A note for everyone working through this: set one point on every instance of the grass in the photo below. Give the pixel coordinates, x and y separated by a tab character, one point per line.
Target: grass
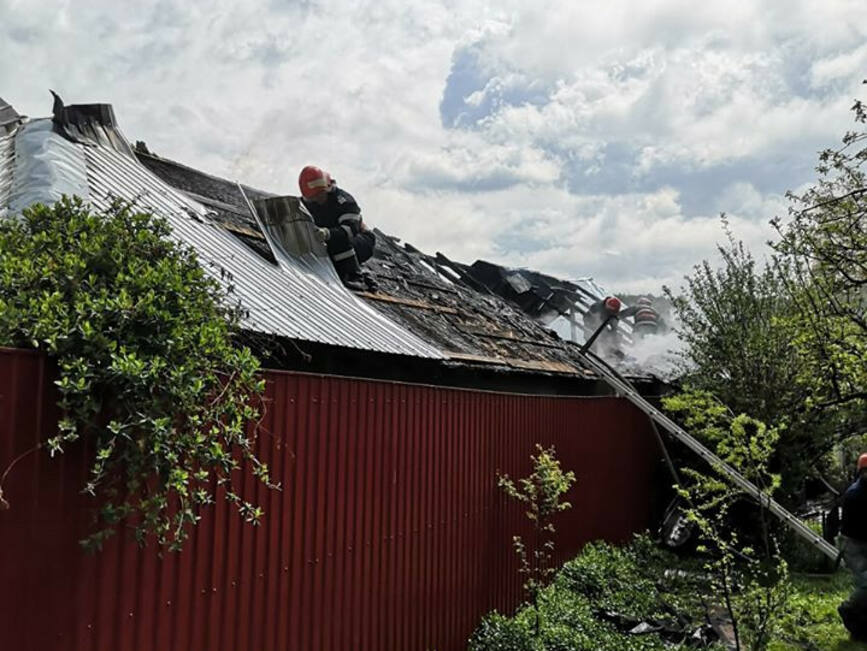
814	621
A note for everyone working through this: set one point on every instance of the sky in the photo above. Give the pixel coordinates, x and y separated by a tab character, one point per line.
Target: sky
577	138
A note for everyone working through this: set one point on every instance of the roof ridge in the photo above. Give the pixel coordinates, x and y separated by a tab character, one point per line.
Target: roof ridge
184	166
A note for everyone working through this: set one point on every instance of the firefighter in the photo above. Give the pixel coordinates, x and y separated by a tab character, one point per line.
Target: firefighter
339	225
608	341
853	528
646	321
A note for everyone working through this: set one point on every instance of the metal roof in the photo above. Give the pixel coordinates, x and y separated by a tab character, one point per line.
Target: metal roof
290	302
420	292
7	169
92	124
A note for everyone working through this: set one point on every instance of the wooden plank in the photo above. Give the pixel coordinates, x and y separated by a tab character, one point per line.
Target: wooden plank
421	305
544	365
502	334
469	357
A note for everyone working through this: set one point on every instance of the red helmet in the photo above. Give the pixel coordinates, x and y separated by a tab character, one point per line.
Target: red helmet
612	304
862	462
313	181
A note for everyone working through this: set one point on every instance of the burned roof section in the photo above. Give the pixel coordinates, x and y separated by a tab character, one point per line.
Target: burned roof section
436	299
225	204
89	124
220	195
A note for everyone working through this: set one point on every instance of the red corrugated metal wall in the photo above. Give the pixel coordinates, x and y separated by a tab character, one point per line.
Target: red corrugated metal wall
389	531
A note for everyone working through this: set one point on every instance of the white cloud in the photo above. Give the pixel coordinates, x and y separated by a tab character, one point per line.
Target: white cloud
843	66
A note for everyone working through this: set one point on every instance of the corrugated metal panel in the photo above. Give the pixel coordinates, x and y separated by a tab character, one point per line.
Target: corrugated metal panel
7	168
47	167
289	232
9	118
389	531
292	302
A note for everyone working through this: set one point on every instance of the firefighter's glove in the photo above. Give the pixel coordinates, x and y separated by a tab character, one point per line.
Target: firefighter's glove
322	234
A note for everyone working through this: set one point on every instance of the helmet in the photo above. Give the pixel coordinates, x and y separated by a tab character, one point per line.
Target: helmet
645	301
313	181
612	304
862	462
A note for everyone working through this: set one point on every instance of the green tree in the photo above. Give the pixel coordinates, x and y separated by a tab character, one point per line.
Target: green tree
747	572
736	344
735	322
542	492
149	374
824	243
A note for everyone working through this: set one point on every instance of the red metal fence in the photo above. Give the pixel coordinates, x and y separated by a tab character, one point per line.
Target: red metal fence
388	533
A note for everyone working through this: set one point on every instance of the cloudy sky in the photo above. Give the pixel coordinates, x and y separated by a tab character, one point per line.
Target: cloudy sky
578	138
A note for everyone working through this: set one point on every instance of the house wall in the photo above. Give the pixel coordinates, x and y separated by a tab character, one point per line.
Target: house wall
388	533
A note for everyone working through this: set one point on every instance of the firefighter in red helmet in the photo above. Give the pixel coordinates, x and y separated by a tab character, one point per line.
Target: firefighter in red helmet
646	321
339	225
606	311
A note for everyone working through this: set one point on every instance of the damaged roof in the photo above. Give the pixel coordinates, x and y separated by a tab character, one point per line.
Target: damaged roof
430	296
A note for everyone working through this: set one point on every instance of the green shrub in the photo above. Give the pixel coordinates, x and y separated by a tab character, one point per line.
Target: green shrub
612	578
499	633
149	375
572	610
572	613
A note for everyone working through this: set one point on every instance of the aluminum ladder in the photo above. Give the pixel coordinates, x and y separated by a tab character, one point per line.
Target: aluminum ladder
624	388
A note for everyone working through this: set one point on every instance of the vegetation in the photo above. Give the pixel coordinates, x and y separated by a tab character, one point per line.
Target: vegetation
607	591
542	492
785	341
825	244
604	594
747	573
737	329
149	377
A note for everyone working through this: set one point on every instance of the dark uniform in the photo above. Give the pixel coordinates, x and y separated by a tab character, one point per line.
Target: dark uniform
348	245
853	528
645	320
608	341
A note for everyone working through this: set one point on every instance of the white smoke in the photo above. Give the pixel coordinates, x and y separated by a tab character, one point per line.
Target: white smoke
659	355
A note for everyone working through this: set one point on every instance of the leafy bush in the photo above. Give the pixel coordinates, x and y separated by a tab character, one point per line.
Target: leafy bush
612	579
642	582
580	608
500	633
745	568
149	375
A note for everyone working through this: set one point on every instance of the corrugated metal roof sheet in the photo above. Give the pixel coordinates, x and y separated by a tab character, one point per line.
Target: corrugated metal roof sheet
7	169
292	302
47	167
9	117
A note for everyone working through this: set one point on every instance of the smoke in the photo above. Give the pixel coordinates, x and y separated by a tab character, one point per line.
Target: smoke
658	355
